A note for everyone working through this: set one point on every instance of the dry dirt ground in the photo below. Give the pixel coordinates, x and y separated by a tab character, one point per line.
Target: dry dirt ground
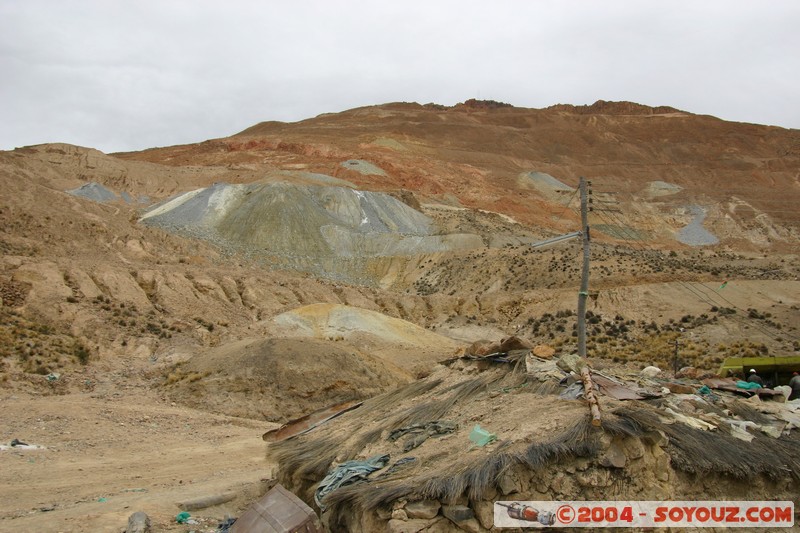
119	449
84	283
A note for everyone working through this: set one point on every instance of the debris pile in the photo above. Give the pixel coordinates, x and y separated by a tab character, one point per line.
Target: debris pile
651	444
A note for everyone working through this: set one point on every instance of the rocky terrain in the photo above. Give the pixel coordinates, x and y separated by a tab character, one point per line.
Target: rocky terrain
191	275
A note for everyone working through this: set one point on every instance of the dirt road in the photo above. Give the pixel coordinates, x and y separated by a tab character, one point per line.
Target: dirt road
108	453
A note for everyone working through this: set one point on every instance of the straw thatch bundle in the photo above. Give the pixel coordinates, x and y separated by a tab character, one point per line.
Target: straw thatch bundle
703	452
450	470
474	477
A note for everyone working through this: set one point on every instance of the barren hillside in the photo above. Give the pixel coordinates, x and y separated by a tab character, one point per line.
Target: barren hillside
186	271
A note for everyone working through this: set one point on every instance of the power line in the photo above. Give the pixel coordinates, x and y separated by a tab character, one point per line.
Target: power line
726	211
722	204
763	211
715	303
566	206
630	237
696	292
683	284
754	192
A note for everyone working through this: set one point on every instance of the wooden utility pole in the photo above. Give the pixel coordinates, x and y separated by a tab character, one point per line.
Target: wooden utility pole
583	294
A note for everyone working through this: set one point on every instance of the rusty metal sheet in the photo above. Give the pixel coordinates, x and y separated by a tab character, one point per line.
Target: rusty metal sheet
278	511
720	383
767	393
727	385
298	426
617	390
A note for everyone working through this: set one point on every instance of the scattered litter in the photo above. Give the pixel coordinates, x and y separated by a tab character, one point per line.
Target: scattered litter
747	385
773	430
182	518
618	390
793	405
347	473
780	412
785	390
770	395
481	437
739	428
543	370
18	445
400	462
277	510
727	385
573	392
308	422
726	436
421	432
52	377
650	372
690	420
225	525
739	432
706	393
679	388
102	500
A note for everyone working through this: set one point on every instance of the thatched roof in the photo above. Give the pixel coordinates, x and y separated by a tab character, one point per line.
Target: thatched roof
702	452
535	429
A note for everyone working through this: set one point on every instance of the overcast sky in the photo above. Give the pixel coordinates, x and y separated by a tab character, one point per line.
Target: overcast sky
127	75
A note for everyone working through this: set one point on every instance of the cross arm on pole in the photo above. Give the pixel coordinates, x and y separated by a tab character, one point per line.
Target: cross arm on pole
560	238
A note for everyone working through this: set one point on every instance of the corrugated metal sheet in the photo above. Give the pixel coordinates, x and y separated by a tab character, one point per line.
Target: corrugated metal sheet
617	390
306	423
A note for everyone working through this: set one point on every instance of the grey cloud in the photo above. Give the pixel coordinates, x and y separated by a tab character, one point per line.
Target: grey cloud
130	75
